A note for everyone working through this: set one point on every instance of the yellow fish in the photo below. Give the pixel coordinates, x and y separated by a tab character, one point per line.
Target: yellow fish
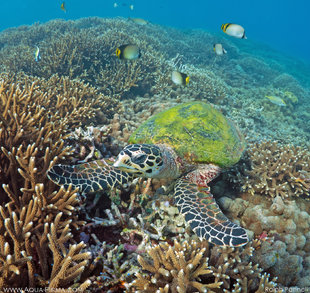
37	56
276	100
140	21
63	7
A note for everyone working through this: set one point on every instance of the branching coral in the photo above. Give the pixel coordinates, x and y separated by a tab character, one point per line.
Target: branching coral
32	132
86	49
35	220
114	264
174	269
28	248
276	169
192	265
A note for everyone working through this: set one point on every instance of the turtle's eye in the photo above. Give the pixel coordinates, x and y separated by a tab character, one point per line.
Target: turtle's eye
138	159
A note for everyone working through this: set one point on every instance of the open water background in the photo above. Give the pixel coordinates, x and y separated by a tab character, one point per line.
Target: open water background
281	24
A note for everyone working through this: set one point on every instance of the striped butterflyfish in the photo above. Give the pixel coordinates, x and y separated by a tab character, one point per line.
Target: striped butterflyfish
234	30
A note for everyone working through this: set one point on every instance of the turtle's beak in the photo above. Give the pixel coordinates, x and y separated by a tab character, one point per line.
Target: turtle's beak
123	163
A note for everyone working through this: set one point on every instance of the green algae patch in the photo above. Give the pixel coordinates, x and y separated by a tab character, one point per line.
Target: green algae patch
197	132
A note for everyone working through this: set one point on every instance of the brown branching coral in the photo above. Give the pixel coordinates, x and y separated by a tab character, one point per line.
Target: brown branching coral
174	269
86	50
35	219
192	265
277	170
34	121
28	248
119	77
68	264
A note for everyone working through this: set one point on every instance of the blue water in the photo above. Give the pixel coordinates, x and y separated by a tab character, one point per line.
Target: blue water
282	24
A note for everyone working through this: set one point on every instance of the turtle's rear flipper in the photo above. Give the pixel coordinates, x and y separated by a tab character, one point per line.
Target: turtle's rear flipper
89	177
205	217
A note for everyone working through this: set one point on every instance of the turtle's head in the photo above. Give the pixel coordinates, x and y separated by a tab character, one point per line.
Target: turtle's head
143	160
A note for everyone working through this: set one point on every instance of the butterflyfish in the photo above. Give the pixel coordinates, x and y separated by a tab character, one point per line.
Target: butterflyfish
218	49
234	30
128	52
179	78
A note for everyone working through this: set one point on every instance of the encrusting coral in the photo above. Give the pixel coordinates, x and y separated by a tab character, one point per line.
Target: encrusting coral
282	225
191	265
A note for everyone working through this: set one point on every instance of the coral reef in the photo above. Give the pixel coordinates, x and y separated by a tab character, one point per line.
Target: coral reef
80	103
237	84
282	226
276	170
36	219
114	264
191	265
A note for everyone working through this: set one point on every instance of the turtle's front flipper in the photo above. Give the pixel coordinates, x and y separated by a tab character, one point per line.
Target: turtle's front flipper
89	177
205	217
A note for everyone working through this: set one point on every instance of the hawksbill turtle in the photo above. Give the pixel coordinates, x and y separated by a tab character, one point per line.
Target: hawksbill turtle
189	144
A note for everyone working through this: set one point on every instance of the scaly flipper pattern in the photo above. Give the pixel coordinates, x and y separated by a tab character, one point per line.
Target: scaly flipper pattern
204	216
89	177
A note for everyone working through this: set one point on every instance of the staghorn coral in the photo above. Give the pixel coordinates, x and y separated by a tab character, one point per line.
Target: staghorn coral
28	249
32	133
86	49
275	170
36	219
174	269
192	265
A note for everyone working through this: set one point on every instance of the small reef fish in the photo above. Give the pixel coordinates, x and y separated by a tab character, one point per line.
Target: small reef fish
128	52
115	5
276	100
37	56
131	7
234	30
140	21
218	49
179	78
63	6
